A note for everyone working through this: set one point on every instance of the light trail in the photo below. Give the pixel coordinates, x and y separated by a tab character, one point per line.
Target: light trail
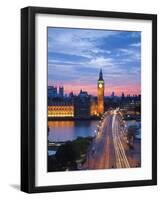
107	150
117	154
121	159
121	146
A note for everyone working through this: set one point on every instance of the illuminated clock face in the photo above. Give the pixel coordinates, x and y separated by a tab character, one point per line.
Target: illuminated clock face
100	85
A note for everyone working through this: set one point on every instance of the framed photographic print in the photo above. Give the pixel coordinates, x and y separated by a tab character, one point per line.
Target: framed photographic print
88	99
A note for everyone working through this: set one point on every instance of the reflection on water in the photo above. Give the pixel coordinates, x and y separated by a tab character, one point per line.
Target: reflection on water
70	130
61	123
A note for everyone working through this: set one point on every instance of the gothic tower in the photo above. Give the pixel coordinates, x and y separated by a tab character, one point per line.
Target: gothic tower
100	85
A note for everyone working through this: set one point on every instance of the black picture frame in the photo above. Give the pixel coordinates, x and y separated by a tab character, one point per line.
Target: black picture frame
28	98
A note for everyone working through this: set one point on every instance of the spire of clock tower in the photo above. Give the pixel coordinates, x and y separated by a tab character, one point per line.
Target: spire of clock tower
100	86
101	75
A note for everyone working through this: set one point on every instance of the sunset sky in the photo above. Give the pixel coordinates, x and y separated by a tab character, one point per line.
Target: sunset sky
75	57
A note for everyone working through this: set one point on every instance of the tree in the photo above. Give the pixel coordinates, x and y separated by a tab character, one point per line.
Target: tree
66	156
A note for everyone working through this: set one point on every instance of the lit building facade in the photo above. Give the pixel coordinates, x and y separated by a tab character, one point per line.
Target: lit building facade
61	110
100	86
93	107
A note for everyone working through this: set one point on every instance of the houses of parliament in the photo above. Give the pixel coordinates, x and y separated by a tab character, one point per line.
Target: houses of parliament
81	106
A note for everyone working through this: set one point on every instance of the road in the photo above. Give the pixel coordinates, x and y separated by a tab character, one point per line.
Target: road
107	149
120	156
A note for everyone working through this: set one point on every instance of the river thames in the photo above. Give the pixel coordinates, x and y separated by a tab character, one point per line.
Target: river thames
61	131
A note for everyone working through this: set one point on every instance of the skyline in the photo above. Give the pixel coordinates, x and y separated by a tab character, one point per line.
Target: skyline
75	57
112	93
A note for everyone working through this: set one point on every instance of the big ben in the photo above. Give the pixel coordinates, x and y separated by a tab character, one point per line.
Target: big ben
100	86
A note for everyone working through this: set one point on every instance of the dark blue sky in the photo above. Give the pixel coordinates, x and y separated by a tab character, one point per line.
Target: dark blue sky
75	57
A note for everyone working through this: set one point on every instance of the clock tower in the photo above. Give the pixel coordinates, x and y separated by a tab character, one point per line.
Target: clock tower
100	86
